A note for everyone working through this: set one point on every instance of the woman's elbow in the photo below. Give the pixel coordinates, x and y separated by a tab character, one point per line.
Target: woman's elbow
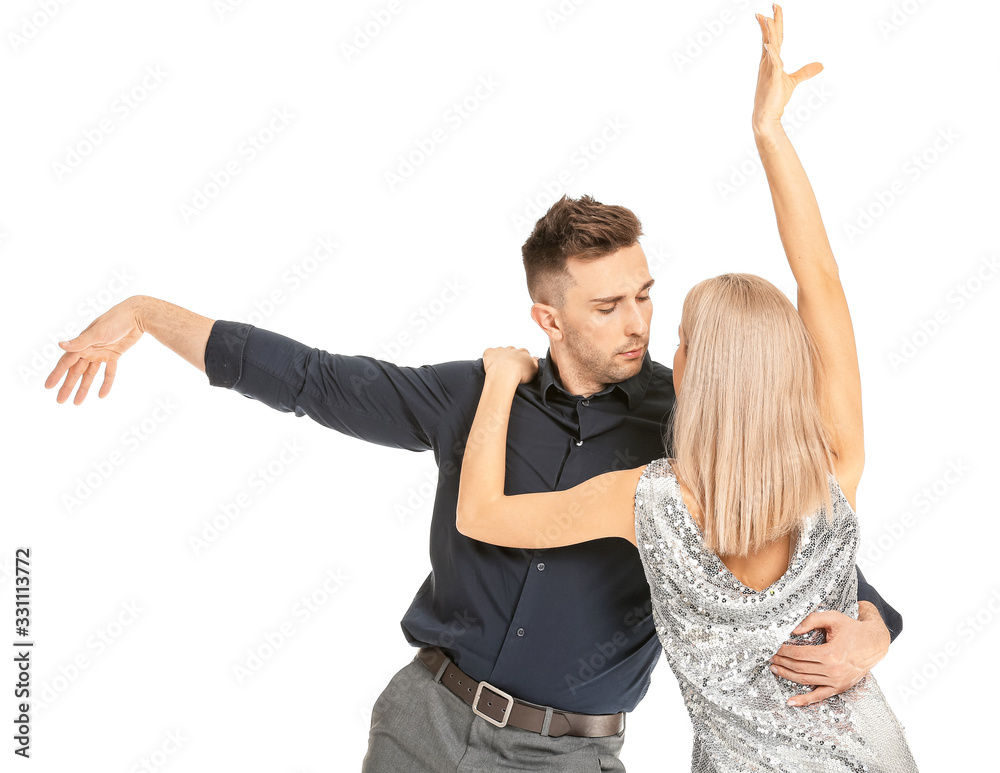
850	464
467	518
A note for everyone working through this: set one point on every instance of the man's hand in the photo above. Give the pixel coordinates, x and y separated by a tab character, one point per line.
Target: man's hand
105	340
852	648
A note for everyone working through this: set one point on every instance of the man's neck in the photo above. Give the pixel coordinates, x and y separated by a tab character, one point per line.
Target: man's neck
572	383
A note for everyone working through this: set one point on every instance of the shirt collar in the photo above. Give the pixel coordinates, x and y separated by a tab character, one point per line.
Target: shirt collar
634	388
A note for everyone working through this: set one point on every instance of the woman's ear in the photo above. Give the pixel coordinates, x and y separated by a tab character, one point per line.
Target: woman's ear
547	318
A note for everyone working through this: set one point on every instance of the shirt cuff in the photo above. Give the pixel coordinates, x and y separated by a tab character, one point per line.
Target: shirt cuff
892	619
224	352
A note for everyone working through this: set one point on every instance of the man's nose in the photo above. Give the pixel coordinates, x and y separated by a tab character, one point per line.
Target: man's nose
635	322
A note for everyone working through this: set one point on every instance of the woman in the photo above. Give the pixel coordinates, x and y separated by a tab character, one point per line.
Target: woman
750	526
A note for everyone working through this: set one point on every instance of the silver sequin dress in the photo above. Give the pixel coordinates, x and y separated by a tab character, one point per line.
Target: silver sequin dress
719	635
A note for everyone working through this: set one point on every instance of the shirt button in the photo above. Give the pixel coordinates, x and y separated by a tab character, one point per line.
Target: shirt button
520	632
579	442
541	567
585	402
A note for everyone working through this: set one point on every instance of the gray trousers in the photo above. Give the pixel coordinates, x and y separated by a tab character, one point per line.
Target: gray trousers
418	726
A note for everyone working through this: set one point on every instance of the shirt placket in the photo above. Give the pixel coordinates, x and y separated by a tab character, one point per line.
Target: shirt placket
542	565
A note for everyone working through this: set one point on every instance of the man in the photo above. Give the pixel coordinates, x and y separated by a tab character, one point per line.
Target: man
559	643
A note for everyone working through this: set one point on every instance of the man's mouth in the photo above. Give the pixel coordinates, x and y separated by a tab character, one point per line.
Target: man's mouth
633	353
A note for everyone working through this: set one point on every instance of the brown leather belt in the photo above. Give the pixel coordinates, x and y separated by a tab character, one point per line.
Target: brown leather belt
500	709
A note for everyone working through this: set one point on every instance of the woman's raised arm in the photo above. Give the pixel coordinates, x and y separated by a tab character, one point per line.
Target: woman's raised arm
821	301
600	507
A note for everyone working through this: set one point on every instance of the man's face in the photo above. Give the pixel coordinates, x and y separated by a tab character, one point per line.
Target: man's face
606	315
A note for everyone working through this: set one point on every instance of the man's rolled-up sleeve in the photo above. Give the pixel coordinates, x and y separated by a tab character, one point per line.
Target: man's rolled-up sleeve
892	619
370	399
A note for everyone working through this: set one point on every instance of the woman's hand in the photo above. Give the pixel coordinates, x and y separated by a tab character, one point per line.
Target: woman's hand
774	85
508	360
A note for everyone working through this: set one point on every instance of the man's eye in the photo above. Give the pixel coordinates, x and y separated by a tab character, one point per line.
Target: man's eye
606	311
643	298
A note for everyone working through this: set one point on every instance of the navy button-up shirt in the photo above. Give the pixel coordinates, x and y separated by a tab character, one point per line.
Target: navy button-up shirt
566	627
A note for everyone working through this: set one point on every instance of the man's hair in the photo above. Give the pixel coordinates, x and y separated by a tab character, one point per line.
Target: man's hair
583	229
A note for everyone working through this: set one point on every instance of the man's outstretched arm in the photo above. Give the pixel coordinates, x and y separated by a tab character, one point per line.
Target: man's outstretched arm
374	400
113	333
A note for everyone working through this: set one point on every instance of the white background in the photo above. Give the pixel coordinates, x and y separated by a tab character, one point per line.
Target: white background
677	80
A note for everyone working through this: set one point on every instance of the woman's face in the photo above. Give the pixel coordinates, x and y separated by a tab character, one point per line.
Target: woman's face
680	358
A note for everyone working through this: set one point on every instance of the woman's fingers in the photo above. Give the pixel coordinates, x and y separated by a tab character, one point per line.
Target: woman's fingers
779	24
805	73
770	49
773	41
763	27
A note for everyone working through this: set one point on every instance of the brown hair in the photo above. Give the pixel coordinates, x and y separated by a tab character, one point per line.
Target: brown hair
748	433
583	229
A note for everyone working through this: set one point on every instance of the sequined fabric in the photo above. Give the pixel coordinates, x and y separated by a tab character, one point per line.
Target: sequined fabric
719	635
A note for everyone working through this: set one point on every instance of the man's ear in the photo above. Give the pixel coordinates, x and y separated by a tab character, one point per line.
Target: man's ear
547	318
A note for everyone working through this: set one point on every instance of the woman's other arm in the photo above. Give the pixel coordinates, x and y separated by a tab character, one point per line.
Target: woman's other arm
600	507
853	646
821	300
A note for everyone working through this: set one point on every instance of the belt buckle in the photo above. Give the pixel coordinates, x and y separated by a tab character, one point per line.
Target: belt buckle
498	692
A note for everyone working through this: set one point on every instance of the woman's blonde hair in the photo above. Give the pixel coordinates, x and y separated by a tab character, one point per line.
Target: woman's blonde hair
748	434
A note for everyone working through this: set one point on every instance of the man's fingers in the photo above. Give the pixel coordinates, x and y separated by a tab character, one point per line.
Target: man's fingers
72	377
109	378
63	391
85	382
53	378
67	361
798	654
817	620
817	695
799	678
87	338
74	344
